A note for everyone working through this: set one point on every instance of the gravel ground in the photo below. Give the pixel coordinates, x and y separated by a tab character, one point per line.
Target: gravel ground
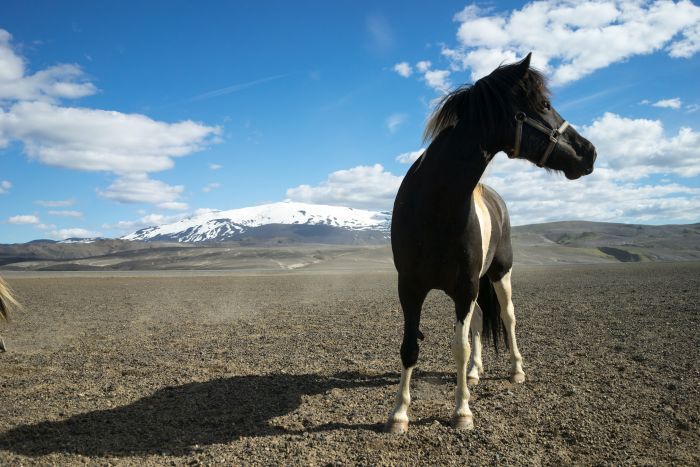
302	369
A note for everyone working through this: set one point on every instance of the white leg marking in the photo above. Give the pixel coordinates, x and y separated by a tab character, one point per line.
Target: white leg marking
462	417
398	420
476	367
482	213
504	293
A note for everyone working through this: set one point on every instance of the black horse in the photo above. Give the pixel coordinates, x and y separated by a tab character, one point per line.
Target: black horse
451	233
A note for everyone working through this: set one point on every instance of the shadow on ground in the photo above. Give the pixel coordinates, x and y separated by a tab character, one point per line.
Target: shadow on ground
174	419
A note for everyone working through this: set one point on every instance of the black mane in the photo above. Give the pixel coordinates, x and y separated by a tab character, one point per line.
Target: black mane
490	102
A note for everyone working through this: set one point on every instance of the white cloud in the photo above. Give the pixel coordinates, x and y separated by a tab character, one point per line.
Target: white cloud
369	187
674	103
403	69
4	186
66	213
146	220
619	190
570	39
56	82
394	121
690	108
438	80
215	166
76	232
409	157
79	138
638	147
423	66
23	219
99	140
56	204
534	196
211	186
138	188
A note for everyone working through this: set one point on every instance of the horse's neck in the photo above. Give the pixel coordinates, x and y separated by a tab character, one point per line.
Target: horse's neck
456	168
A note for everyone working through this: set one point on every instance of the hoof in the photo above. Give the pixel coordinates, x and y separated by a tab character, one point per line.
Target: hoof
471	381
517	378
463	422
396	427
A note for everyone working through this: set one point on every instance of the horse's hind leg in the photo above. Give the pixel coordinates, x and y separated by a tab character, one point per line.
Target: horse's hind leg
504	294
476	366
411	296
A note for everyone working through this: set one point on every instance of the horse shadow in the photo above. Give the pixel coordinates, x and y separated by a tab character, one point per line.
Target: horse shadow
177	418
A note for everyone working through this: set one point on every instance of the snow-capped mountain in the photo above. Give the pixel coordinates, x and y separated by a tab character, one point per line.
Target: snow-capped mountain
305	222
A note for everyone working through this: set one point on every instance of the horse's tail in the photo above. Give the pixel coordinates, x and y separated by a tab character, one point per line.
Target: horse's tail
487	300
7	301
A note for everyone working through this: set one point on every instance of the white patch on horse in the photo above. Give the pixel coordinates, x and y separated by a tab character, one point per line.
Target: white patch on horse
476	367
504	294
482	213
462	417
398	420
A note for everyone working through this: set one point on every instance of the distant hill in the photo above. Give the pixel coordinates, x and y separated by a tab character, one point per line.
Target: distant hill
309	245
581	241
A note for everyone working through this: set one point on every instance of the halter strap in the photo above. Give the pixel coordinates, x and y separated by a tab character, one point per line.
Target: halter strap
554	135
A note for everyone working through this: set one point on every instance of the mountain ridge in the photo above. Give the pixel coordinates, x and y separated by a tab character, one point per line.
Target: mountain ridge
250	222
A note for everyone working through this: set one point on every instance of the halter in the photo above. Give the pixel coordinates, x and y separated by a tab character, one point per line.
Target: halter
554	135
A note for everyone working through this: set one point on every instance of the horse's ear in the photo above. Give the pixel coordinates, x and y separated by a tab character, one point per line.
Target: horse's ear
524	64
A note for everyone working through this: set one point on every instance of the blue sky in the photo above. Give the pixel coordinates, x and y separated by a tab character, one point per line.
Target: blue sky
119	115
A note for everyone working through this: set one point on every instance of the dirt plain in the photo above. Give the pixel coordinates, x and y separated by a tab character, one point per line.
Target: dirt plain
301	369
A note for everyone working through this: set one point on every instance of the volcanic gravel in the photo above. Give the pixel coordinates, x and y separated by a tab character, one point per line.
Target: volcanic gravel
302	369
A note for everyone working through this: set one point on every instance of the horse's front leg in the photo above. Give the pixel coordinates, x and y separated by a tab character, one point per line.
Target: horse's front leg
411	298
462	418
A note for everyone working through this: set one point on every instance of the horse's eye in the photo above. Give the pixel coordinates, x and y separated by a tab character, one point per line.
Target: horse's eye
547	105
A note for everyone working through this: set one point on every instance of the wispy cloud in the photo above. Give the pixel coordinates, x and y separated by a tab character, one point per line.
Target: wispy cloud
215	166
55	204
74	232
691	108
24	219
573	103
65	213
380	33
409	157
236	87
210	187
394	121
674	103
4	186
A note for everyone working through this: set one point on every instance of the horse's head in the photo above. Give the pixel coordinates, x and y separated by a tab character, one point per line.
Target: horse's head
540	134
509	110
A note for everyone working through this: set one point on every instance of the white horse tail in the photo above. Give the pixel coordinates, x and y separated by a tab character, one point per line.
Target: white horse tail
7	301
